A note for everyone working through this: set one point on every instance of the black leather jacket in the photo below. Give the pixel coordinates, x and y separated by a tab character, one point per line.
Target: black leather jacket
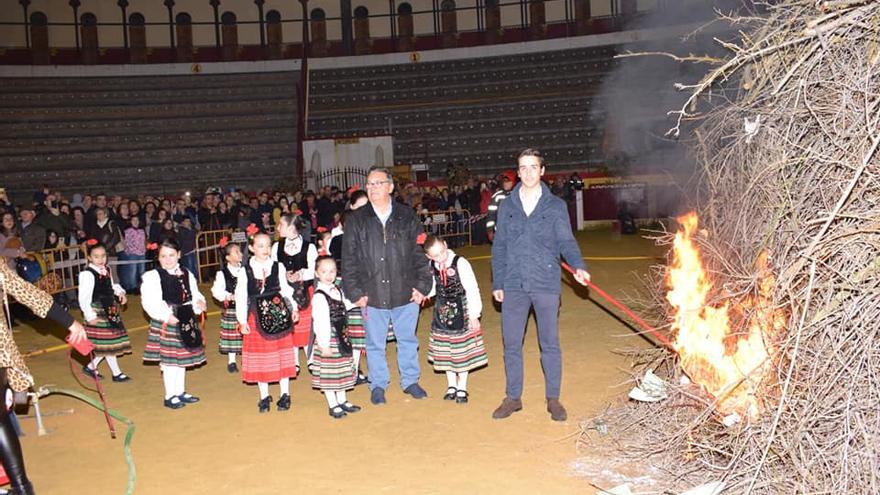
384	263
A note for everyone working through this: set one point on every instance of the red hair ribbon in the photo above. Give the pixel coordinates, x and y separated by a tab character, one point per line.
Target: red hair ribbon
252	229
91	242
420	239
152	246
356	187
297	212
223	242
321	229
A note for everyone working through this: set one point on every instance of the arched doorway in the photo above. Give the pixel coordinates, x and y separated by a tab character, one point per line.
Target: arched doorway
39	38
183	30
89	33
582	16
137	34
448	23
274	33
361	30
229	35
537	18
318	28
493	21
405	40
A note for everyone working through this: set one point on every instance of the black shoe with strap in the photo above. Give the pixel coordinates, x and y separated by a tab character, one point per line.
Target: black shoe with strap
461	397
264	403
450	393
349	407
337	412
283	402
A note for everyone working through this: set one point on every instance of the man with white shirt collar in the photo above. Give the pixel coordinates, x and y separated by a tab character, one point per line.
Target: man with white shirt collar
532	234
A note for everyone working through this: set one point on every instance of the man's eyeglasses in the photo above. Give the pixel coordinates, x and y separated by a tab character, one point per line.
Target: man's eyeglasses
377	183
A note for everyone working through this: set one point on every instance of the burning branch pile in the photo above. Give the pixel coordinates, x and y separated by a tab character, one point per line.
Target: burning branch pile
773	299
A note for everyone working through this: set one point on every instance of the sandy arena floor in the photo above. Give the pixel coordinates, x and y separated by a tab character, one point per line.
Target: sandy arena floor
222	445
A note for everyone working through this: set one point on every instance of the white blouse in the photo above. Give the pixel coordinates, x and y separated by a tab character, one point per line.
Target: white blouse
468	280
321	312
151	295
295	248
218	290
261	271
87	286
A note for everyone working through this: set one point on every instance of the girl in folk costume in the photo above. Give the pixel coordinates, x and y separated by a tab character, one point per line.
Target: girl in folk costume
456	342
101	303
223	291
297	255
171	298
332	365
266	314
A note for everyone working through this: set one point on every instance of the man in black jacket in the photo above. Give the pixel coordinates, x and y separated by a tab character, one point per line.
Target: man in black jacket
385	272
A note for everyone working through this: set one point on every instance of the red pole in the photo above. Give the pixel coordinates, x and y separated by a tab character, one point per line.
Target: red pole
642	323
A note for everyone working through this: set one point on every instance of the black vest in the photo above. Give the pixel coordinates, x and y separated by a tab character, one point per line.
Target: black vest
103	291
231	280
257	287
296	262
175	290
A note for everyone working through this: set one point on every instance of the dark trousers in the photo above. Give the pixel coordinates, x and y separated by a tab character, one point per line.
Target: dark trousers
514	315
10	448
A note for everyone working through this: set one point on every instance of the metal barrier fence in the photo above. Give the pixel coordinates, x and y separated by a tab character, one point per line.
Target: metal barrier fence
453	226
209	256
54	270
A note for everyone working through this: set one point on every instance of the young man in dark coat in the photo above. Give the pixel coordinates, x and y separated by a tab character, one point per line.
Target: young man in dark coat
532	233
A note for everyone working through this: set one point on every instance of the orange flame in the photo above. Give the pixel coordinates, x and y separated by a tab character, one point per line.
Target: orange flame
730	365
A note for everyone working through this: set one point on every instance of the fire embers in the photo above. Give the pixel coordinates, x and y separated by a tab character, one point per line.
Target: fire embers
728	348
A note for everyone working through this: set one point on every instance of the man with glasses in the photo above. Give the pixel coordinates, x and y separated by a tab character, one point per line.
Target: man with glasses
385	272
532	233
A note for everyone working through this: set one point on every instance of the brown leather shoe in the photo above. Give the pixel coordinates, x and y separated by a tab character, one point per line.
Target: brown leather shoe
508	406
557	412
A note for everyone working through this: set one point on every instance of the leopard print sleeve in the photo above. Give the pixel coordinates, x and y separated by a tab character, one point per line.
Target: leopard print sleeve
37	300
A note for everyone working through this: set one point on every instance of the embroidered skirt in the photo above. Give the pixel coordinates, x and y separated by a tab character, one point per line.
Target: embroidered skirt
165	347
462	352
230	338
108	339
332	371
264	360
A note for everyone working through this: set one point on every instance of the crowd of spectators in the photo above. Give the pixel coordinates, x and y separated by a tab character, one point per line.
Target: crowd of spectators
128	225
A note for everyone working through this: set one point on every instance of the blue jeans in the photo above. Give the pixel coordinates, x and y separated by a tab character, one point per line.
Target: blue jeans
130	275
405	319
514	315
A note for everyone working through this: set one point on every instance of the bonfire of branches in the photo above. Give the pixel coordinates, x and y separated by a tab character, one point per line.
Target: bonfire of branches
790	167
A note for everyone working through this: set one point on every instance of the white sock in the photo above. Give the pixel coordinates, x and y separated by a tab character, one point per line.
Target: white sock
284	385
296	356
168	379
357	360
231	358
331	398
340	397
114	365
450	379
462	380
93	364
181	380
264	389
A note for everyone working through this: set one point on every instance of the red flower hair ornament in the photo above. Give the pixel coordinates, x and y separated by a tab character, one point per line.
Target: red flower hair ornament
321	229
91	242
224	241
421	238
251	230
152	246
